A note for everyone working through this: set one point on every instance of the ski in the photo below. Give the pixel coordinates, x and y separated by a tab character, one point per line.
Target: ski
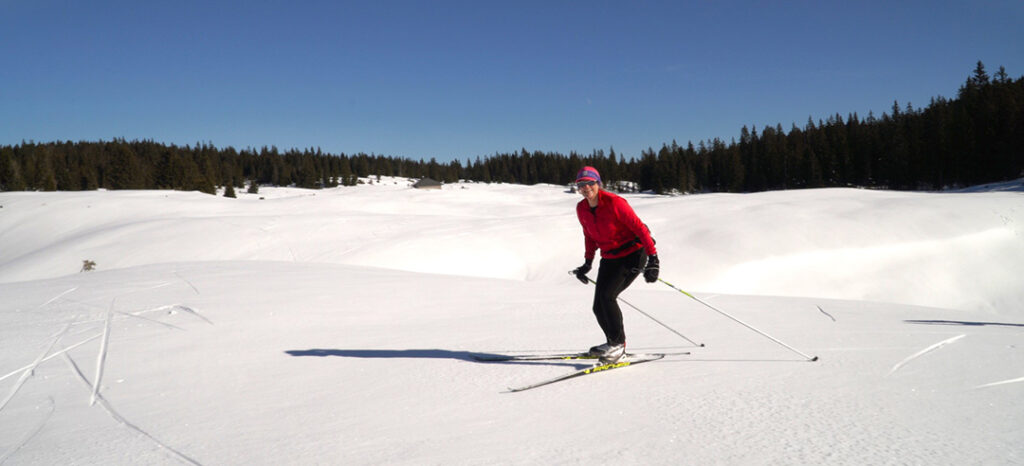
531	357
626	361
553	356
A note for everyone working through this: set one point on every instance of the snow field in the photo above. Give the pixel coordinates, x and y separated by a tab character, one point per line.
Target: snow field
336	327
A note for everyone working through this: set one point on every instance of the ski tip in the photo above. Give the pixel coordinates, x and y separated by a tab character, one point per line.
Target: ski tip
814	359
702	345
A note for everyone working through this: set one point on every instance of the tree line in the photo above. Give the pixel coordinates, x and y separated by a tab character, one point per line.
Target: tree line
975	138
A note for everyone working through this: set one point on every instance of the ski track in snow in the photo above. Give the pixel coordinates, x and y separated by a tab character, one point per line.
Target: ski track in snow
829	315
176	274
101	357
32	367
94	388
193	312
117	417
95	396
923	352
69	348
56	297
138	314
30	434
147	319
1004	382
181	307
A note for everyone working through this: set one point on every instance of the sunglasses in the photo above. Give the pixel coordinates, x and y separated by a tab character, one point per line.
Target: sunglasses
585	183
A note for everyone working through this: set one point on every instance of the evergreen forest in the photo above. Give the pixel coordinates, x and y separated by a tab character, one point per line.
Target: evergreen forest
975	138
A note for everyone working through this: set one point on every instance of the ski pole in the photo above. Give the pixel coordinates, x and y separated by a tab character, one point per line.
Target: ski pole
652	318
809	358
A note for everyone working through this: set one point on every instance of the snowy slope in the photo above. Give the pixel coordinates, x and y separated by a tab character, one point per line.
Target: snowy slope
337	327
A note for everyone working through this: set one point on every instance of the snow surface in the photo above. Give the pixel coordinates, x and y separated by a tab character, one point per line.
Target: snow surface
337	327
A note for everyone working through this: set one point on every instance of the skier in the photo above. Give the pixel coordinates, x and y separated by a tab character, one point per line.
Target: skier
609	224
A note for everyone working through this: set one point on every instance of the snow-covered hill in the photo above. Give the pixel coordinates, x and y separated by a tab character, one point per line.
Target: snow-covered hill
337	327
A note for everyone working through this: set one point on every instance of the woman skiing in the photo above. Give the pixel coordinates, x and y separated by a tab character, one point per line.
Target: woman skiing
609	224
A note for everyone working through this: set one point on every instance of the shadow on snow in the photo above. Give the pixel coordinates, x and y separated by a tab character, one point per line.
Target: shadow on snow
387	354
471	356
960	322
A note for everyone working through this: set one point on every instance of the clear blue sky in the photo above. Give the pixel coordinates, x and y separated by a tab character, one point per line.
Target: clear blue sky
461	79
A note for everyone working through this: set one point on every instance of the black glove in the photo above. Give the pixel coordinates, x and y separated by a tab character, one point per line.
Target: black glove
651	271
581	271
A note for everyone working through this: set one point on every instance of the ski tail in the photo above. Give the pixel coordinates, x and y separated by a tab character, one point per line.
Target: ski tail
531	357
626	361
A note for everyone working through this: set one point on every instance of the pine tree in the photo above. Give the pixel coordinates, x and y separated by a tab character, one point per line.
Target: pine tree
980	77
1001	76
10	174
125	171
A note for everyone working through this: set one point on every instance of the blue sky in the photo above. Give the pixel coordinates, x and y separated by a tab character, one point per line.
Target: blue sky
462	79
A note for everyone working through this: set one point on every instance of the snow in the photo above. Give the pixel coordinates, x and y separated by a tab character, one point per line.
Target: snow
337	327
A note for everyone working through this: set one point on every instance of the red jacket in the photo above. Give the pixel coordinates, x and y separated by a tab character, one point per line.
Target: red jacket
613	227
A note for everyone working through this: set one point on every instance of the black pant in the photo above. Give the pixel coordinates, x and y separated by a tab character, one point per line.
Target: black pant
614	276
